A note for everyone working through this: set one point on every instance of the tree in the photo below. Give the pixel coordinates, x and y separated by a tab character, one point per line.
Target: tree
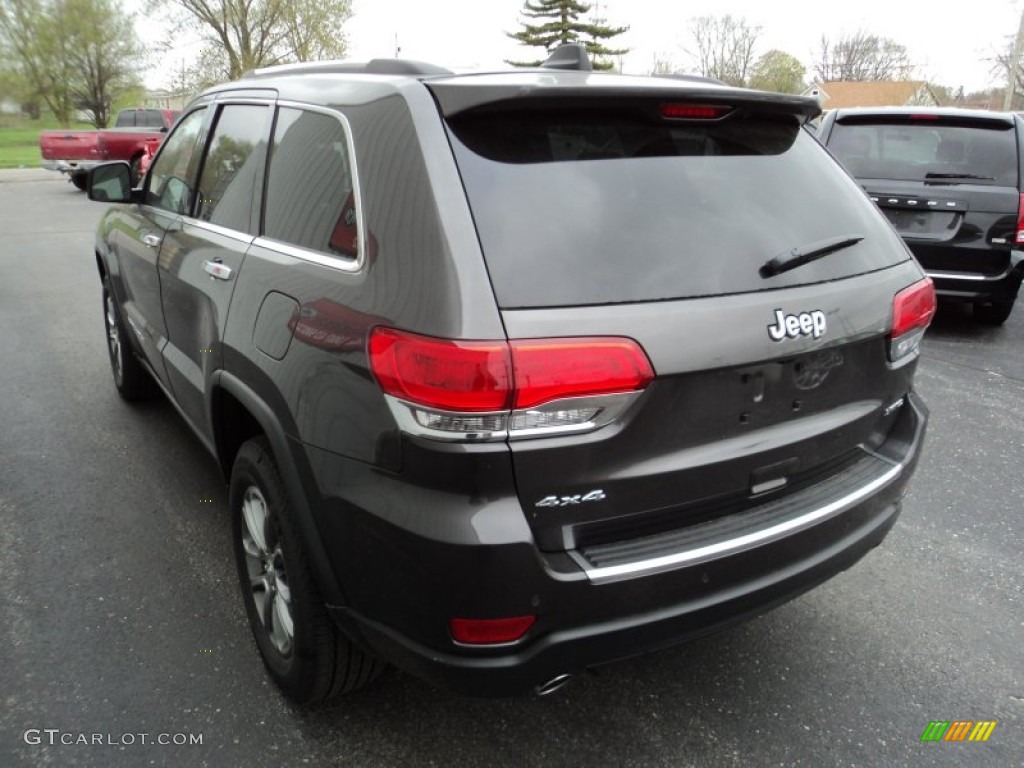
106	56
778	71
1001	66
246	34
723	47
563	25
34	36
862	56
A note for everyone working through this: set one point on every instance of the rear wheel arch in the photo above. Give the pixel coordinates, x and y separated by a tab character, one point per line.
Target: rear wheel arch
238	415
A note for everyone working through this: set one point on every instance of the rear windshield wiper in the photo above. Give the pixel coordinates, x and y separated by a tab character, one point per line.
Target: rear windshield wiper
808	253
957	176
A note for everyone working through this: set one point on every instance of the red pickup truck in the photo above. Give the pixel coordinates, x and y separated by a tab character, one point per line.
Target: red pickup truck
75	152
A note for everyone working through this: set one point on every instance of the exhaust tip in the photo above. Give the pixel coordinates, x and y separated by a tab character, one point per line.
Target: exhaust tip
552	685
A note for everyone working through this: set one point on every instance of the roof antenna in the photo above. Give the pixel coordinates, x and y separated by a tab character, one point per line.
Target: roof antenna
569	56
398	48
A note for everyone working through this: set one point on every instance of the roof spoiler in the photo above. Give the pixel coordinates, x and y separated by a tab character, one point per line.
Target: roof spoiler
571	56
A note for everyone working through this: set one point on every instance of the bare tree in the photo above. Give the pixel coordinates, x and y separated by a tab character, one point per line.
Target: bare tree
661	64
862	56
723	47
247	34
1002	63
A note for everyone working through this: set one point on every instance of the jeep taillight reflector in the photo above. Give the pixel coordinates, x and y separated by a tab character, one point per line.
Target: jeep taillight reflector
450	375
912	311
490	631
676	111
552	369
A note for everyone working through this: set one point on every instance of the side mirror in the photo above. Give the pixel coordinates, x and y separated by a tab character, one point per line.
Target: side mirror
110	182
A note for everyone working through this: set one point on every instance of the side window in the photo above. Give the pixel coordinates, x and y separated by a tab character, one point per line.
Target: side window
310	196
169	181
233	166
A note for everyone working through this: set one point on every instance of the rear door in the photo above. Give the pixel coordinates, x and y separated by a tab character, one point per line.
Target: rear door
948	183
202	254
655	220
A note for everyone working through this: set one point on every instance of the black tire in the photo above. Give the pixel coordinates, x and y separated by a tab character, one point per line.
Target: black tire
80	180
311	660
133	382
995	313
135	166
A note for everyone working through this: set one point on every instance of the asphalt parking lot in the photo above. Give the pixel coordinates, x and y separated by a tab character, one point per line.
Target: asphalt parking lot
119	611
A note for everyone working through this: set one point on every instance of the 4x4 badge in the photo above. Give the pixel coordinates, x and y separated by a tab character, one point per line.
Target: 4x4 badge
790	326
565	501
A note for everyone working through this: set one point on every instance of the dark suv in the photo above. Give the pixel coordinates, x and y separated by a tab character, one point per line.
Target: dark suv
950	181
515	374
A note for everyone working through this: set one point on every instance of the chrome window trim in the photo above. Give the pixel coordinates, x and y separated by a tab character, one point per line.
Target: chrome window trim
600	575
321	258
234	234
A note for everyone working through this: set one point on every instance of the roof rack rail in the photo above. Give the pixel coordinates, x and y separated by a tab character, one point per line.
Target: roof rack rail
572	56
372	67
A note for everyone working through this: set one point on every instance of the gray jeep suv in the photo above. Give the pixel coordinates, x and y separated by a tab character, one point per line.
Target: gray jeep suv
515	374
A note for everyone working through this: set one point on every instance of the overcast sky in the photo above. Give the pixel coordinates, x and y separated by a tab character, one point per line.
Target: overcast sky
950	42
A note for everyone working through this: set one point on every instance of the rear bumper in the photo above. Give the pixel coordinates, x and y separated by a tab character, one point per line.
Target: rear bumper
584	622
70	166
980	287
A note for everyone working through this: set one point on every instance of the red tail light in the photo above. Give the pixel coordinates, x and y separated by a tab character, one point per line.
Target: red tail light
550	369
450	375
1020	221
527	387
490	631
694	111
912	311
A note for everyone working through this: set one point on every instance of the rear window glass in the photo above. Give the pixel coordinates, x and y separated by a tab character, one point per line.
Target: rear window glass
603	206
918	150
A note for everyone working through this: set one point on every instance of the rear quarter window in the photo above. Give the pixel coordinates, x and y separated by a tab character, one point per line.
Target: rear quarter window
608	205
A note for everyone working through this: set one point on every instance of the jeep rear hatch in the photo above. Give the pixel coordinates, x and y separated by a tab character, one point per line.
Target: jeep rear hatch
758	279
948	183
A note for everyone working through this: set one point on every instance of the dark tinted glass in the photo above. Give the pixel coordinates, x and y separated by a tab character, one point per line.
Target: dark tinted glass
169	181
151	118
580	209
310	197
982	153
233	166
125	119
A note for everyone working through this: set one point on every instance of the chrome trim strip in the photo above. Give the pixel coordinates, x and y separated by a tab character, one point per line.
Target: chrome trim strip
233	234
965	275
739	544
314	257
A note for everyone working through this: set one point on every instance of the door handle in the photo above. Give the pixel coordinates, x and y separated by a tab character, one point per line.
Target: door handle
217	269
153	241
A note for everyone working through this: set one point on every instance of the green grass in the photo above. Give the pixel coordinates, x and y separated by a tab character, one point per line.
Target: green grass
19	139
